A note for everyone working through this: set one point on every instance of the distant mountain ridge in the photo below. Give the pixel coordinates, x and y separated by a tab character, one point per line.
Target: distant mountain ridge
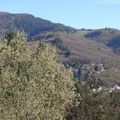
28	23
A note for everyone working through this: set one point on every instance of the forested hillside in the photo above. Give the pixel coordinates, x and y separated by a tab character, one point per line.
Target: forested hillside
28	23
84	50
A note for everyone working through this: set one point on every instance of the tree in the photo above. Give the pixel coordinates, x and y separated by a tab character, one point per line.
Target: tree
94	105
32	84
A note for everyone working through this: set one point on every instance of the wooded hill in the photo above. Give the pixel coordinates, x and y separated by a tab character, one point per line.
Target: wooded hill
76	48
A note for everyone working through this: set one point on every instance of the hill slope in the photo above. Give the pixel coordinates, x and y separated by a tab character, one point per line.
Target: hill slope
109	37
28	23
83	50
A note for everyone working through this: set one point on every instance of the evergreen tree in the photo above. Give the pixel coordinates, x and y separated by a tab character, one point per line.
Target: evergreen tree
32	85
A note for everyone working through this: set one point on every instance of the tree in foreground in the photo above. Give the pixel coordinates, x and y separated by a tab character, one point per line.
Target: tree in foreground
32	85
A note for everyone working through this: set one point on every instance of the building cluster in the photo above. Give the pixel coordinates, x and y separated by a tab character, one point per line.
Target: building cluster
110	90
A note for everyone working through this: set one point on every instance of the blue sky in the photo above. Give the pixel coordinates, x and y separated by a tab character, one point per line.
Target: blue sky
76	13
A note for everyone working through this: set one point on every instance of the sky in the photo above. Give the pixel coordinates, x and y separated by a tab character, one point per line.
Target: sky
89	14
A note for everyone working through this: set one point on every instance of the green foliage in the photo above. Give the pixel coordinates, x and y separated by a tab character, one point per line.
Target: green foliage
32	85
94	105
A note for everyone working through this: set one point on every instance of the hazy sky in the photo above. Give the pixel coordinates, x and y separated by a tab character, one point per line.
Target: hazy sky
76	13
